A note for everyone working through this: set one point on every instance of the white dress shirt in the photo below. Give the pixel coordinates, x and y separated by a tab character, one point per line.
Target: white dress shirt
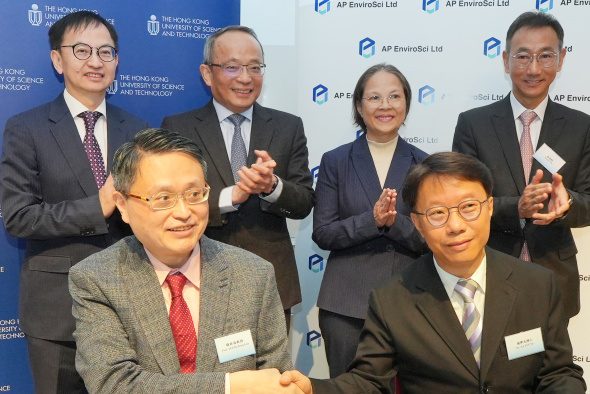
535	126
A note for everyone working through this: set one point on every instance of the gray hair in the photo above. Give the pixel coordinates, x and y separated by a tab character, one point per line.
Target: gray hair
150	142
208	50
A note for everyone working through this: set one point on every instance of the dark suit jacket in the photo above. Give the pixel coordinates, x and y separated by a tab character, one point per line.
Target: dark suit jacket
489	134
50	198
125	343
362	256
257	226
412	331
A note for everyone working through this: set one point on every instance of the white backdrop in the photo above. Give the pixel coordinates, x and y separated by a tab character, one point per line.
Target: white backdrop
438	50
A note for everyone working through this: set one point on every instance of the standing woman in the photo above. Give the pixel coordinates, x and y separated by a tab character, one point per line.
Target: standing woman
359	215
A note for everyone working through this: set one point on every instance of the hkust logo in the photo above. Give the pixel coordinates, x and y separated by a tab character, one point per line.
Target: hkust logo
153	26
112	89
366	47
544	5
320	94
430	6
316	263
314	339
426	95
35	16
322	6
491	47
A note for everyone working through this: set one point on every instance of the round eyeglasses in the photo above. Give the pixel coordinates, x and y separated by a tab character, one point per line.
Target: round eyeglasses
82	51
235	69
168	200
469	210
375	101
523	59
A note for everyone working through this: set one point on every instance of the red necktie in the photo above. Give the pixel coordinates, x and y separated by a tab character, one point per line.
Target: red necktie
182	325
526	152
91	146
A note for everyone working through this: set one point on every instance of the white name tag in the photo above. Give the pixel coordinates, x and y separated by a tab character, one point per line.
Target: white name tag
524	343
549	159
235	346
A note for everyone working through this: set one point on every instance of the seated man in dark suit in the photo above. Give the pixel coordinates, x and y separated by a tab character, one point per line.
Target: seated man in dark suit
464	318
168	309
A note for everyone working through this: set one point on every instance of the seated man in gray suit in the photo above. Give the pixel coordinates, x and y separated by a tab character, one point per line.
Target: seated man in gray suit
169	310
464	318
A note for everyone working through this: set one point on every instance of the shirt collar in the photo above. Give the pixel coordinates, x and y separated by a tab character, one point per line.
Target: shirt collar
223	113
77	107
449	280
191	269
518	108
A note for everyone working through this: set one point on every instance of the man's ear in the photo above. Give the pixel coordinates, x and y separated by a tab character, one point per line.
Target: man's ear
206	73
56	59
121	202
416	222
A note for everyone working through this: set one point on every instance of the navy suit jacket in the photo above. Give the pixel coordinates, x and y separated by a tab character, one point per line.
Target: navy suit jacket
412	332
362	256
50	198
489	134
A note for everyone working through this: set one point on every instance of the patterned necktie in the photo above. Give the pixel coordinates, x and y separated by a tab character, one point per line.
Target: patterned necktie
526	152
238	147
91	146
471	317
182	324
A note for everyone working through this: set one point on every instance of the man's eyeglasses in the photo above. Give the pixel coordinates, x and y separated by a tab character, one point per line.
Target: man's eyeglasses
523	59
235	69
106	53
469	210
168	200
375	101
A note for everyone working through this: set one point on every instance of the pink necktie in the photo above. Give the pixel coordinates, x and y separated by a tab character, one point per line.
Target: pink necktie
92	149
182	325
526	152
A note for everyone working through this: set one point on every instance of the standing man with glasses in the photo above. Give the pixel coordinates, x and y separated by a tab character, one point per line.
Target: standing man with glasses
534	210
56	191
259	173
464	318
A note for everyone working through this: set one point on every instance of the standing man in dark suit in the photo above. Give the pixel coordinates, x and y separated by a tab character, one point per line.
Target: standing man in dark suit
464	318
503	135
56	192
259	173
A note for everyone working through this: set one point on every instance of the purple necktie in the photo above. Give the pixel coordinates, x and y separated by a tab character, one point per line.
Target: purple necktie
526	152
471	318
92	149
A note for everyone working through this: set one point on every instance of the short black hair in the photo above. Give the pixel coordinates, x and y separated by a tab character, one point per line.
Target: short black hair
78	20
452	164
534	20
150	142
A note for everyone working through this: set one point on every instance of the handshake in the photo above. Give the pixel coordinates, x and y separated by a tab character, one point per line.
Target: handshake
269	381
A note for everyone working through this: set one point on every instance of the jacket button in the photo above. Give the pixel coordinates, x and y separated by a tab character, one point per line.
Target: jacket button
485	389
389	248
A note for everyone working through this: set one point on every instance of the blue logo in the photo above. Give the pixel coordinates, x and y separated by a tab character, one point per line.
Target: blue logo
314	336
322	6
319	91
359	132
426	95
314	174
366	47
430	6
544	5
316	263
491	47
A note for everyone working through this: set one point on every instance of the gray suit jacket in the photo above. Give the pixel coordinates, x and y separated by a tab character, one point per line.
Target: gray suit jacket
489	134
412	332
123	333
49	197
257	226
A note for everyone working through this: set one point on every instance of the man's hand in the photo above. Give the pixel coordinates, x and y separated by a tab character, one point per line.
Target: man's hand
533	196
260	177
558	205
264	381
384	211
298	379
105	195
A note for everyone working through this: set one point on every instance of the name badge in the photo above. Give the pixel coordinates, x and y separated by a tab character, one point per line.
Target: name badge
235	346
549	159
524	343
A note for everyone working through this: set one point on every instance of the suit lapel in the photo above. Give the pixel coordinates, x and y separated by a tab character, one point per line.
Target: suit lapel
434	304
67	137
499	300
261	132
553	126
150	308
363	164
400	165
116	134
504	126
210	139
215	293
